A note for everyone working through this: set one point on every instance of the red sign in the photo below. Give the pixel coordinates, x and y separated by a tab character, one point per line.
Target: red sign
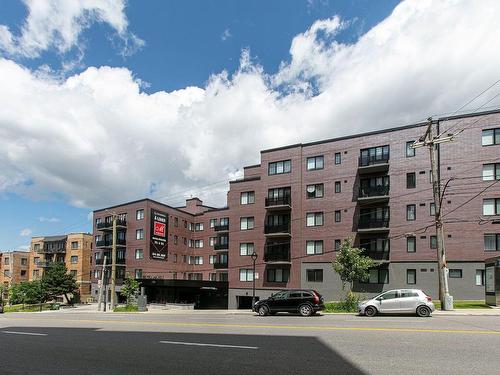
159	229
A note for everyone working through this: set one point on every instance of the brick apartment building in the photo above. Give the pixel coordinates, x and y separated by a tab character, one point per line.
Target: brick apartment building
296	206
74	250
14	267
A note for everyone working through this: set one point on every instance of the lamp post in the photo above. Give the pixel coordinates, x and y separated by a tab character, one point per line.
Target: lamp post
254	258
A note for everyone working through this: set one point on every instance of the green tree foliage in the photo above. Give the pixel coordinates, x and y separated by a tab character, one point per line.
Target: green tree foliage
27	292
56	281
130	289
351	265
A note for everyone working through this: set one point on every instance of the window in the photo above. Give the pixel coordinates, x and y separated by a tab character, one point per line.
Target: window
278	275
197	260
314	276
379	276
224	221
314	247
138	274
212	277
223	276
74	259
73	273
479	277
247	223
389	295
492	242
184	239
411	276
23	273
338	158
374	155
198	227
247	197
213	223
198	243
176	239
411	244
175	258
37	259
139	234
280	167
176	222
191	243
191	227
455	273
315	163
246	274
410	152
36	273
491	172
37	247
338	187
432	209
6	261
337	245
212	259
411	179
97	222
246	248
433	242
314	191
139	214
74	245
24	261
491	137
314	219
338	216
430	176
491	206
195	276
139	254
411	212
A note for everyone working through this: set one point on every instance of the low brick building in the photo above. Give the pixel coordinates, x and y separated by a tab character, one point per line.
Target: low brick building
14	267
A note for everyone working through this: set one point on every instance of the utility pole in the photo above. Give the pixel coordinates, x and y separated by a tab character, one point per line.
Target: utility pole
101	287
428	139
113	265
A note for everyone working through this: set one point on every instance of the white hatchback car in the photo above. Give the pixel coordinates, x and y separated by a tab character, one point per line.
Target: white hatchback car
407	301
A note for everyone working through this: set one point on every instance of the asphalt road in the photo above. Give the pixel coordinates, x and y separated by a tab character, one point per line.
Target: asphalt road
186	343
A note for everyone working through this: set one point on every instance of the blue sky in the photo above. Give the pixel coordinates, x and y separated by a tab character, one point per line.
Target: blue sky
77	135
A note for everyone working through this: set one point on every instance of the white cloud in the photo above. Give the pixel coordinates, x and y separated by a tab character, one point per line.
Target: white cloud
58	24
44	219
25	232
226	35
96	138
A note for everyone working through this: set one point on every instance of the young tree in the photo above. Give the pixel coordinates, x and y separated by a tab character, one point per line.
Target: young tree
56	281
130	289
351	264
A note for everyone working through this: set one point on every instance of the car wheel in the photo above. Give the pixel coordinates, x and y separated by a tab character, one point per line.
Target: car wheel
305	310
263	310
370	311
423	311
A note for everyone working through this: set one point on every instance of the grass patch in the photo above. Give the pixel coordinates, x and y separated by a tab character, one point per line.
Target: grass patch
26	308
126	308
464	305
339	307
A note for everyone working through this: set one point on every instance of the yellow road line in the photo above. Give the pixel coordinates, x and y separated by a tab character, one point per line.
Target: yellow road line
269	326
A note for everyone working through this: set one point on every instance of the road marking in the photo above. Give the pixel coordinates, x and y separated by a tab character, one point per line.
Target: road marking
269	326
24	333
214	345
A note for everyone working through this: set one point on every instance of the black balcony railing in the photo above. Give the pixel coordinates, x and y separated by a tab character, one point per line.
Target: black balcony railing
277	253
47	263
109	224
277	228
119	261
47	250
222	227
376	254
374	191
220	265
278	201
221	246
373	223
109	243
365	161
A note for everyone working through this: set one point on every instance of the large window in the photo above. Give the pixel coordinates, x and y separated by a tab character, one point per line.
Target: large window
280	167
139	214
198	227
492	242
411	244
410	152
411	213
246	274
314	247
491	206
491	172
314	276
314	219
139	234
278	275
314	191
374	155
315	162
491	137
379	276
247	197
411	276
246	248
197	260
247	223
198	243
411	180
213	223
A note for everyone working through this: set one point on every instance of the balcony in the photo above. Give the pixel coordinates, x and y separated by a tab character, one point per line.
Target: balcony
373	163
278	203
377	249
277	229
119	261
120	242
47	263
221	246
108	225
221	228
55	250
373	225
371	194
277	253
220	265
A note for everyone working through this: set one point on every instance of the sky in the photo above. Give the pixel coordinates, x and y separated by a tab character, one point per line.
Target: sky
110	101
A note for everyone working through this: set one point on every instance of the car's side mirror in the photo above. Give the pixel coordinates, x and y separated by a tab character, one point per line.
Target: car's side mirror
380	299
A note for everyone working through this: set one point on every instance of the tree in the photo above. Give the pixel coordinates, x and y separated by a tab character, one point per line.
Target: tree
56	281
351	264
27	292
130	289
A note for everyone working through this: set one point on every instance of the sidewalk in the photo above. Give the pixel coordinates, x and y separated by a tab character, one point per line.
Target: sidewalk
469	312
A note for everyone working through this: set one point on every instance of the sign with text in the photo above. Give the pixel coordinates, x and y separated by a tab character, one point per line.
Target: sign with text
158	244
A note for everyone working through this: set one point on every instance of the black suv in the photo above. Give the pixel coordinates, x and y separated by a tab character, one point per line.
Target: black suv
305	302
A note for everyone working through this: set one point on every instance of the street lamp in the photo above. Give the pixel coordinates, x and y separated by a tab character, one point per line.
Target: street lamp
254	258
